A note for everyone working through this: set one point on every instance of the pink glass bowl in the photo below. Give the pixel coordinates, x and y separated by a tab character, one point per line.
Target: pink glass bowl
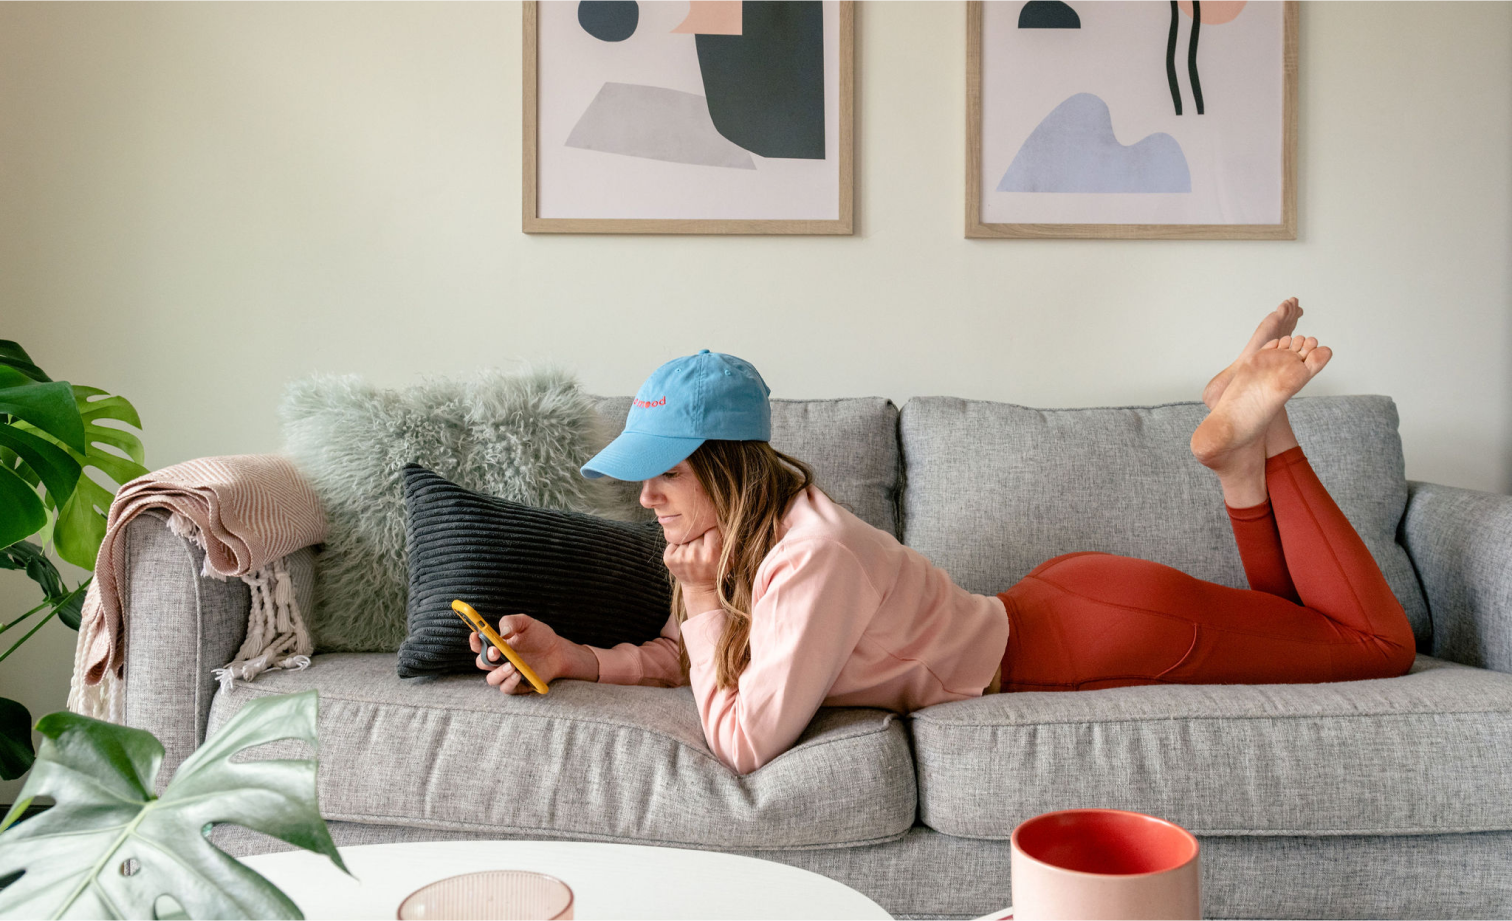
491	895
1104	863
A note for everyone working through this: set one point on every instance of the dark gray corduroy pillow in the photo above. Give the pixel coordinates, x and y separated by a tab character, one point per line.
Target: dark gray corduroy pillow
592	580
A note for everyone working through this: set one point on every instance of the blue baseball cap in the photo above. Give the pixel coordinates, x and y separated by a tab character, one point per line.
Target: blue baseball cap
684	403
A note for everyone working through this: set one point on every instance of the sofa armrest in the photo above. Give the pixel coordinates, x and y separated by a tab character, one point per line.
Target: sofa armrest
180	625
1460	541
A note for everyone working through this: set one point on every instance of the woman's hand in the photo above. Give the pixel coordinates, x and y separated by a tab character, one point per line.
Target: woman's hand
547	654
696	565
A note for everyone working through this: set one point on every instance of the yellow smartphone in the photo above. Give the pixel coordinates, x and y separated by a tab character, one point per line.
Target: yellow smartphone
481	627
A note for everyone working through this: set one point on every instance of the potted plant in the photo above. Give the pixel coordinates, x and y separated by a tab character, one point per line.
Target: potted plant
111	848
51	433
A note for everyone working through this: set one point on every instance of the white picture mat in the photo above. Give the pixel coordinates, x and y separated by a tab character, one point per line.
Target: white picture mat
577	183
1233	150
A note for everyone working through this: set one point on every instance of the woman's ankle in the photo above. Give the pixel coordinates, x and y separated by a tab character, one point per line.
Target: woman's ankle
1279	437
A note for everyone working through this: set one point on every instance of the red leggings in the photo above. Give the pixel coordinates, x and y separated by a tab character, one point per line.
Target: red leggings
1318	608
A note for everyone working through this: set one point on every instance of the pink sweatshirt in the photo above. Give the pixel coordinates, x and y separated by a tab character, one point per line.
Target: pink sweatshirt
843	615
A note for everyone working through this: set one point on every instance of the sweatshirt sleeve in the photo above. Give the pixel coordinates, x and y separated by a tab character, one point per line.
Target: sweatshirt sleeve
804	627
654	663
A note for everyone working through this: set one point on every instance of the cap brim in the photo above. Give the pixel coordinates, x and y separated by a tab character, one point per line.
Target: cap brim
636	456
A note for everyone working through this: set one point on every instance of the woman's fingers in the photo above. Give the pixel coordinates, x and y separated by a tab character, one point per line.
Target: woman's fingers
529	638
514	624
506	679
696	561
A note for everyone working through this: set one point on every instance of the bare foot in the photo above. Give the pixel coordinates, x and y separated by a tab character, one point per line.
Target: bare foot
1231	440
1279	322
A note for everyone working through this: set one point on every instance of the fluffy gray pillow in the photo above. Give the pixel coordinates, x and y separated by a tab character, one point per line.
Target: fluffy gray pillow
519	437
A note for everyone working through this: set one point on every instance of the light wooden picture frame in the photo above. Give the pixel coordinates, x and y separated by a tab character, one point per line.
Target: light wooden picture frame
638	118
1084	134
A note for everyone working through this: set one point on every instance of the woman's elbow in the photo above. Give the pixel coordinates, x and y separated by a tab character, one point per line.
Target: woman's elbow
740	756
741	765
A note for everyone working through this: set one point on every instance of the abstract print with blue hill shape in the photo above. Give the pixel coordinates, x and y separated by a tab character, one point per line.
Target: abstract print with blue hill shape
1074	149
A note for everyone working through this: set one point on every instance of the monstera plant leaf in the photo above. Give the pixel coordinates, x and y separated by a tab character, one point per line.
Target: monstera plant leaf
29	408
111	849
16	754
50	433
81	521
12	355
29	558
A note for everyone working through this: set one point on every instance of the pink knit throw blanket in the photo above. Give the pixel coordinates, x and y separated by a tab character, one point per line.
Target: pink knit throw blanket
247	511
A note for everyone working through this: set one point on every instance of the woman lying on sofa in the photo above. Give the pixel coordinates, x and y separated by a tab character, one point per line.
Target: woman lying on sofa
785	602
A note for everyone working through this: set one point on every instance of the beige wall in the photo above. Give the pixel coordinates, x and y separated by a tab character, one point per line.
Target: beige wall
201	202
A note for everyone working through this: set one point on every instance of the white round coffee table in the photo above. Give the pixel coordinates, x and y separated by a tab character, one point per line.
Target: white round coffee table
607	880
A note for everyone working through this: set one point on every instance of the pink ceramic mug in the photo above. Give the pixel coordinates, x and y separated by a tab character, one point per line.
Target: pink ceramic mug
1104	863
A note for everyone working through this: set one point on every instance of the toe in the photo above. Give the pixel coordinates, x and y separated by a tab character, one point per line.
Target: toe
1317	358
1288	308
1273	344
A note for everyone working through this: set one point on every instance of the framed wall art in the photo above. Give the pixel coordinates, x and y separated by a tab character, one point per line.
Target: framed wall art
709	116
1133	119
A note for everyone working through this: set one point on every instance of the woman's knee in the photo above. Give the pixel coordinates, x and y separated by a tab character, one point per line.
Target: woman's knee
1375	657
1397	642
1400	656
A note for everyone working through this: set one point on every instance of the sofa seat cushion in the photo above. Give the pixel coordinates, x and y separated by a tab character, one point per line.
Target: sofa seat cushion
994	489
1429	752
587	761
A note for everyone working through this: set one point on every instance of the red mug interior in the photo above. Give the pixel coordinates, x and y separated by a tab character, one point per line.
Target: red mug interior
1109	841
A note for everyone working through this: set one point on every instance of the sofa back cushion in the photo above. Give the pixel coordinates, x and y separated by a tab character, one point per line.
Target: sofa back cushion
852	444
993	490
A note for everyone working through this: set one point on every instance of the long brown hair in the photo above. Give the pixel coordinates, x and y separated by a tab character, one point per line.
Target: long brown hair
750	484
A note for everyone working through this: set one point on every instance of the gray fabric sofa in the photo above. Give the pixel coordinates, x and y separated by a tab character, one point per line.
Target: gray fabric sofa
1386	799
